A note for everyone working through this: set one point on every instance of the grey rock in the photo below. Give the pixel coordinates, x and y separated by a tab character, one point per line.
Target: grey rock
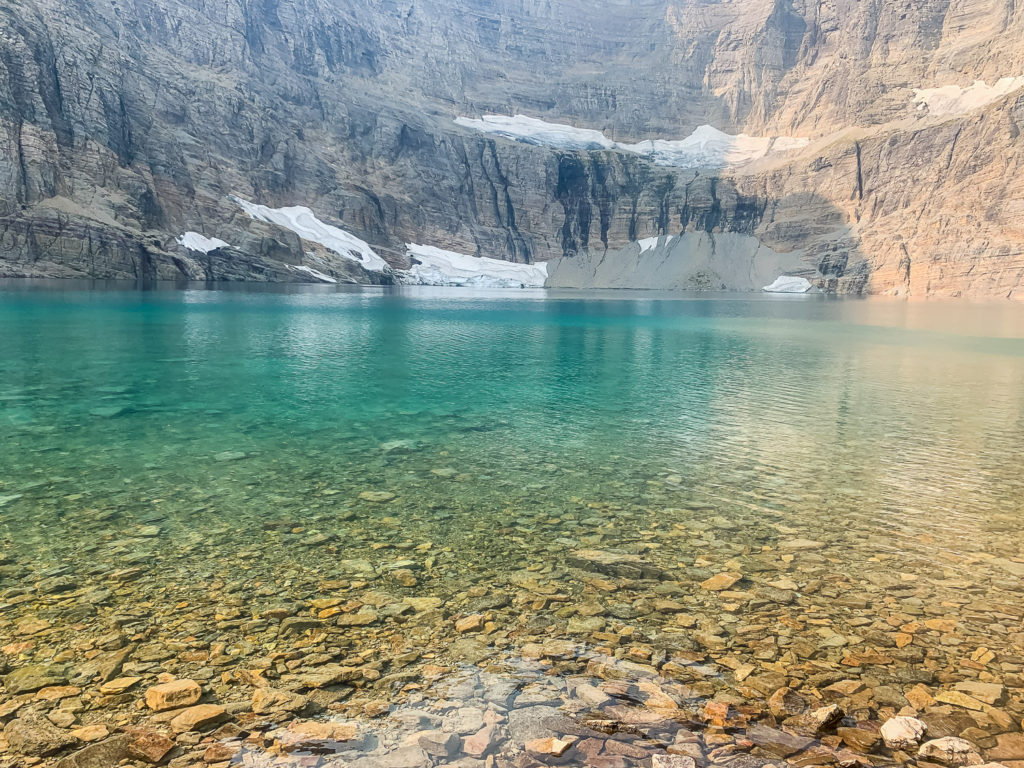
36	736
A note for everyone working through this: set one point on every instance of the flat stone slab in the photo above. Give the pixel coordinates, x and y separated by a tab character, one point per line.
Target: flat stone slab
613	564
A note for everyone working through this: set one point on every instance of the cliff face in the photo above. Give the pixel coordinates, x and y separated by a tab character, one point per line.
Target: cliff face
125	124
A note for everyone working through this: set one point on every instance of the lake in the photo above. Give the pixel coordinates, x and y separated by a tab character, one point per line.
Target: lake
642	509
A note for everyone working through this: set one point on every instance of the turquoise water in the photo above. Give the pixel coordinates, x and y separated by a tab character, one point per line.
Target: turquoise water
895	414
190	466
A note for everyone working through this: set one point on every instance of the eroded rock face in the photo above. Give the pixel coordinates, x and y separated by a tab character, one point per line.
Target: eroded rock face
348	108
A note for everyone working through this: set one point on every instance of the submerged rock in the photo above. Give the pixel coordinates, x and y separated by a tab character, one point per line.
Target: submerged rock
902	732
174	694
36	736
33	677
950	751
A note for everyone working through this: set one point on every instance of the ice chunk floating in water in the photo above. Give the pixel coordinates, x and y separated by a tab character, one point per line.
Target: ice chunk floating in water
200	243
306	225
434	266
787	284
706	147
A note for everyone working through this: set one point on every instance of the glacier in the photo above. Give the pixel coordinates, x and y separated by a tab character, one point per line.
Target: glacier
434	266
303	222
706	147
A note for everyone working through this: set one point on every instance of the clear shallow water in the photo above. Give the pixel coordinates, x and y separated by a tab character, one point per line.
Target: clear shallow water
811	408
219	441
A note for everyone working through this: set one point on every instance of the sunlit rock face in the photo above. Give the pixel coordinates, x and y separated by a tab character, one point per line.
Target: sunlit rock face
878	147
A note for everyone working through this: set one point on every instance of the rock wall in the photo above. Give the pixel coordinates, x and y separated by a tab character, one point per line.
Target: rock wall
123	125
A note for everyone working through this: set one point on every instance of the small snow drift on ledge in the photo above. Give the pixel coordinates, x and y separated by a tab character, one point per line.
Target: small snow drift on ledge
194	241
787	284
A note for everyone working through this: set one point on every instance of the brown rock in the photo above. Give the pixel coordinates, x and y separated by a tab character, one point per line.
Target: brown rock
550	746
198	717
989	693
1009	746
310	730
958	699
90	733
777	742
786	702
36	736
481	742
268	700
861	738
471	623
172	695
221	752
57	692
147	744
103	754
721	581
119	685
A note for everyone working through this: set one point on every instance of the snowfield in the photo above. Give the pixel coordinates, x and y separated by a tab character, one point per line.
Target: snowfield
306	225
706	147
434	266
956	100
787	284
200	243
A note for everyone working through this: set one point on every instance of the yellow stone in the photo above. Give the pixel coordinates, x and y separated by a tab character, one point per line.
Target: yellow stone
119	685
91	732
721	581
958	699
173	694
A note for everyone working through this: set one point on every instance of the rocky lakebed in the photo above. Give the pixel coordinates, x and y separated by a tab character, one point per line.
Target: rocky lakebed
667	639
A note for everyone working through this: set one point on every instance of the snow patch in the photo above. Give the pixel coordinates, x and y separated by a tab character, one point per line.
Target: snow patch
650	243
434	266
194	241
706	147
530	130
788	284
956	100
306	225
314	273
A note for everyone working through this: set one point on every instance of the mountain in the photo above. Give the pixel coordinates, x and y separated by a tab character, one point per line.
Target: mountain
869	146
